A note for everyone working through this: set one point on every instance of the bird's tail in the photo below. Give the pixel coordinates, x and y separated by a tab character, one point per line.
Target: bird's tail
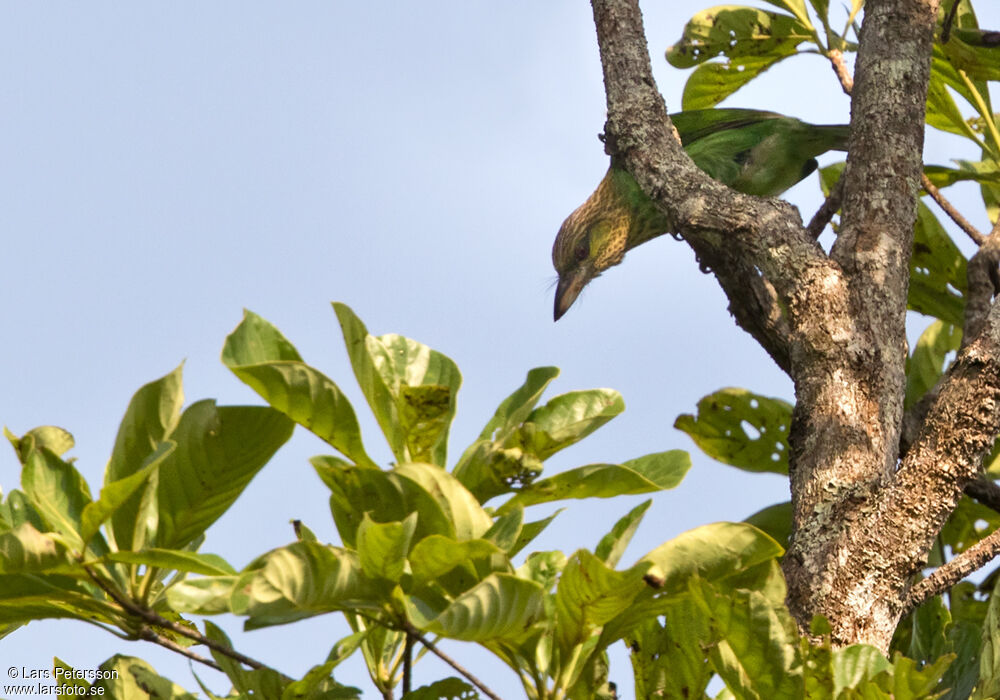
834	136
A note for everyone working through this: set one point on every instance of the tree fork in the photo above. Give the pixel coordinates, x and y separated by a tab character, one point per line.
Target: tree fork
864	519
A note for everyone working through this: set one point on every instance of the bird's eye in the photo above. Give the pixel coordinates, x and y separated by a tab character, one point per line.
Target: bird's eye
582	250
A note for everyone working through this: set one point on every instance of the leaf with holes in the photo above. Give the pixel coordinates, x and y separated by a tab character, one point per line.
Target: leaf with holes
741	429
751	41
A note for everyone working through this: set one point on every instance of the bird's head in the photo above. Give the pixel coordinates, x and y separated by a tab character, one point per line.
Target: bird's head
618	216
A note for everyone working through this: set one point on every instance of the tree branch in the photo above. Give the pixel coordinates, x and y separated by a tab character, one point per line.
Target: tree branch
949	209
983	284
416	634
984	490
150	635
826	211
960	566
151	618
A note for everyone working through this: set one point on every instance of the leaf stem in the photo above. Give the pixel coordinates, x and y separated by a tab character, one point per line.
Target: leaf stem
984	112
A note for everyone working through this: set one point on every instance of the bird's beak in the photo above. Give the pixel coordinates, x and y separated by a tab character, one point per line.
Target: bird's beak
568	289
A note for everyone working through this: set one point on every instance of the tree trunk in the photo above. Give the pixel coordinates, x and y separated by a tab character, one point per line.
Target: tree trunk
865	513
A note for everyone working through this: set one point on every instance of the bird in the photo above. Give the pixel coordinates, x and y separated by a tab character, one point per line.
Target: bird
754	152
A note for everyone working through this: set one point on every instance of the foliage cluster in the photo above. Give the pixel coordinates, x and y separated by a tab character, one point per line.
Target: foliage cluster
430	552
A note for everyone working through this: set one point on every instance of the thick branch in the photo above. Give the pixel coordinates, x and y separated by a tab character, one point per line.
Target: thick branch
947	575
983	283
959	430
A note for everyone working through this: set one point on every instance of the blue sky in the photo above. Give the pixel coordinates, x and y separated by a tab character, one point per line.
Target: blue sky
167	165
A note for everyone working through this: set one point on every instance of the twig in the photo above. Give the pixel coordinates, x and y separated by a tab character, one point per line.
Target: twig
411	630
949	209
150	636
839	65
157	621
825	213
948	21
985	491
407	662
950	573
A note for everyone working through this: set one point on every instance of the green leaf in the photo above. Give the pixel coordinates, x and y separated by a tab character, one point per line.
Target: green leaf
909	680
17	509
516	408
385	496
446	689
176	560
501	606
981	171
58	493
589	594
208	595
928	624
506	529
151	684
937	271
989	651
382	547
612	546
855	665
24	549
655	472
715	552
711	83
567	419
129	678
736	31
668	659
942	112
410	388
436	555
56	439
305	579
741	429
963	674
25	597
151	416
971	51
530	531
219	450
64	678
926	364
969	523
318	685
251	683
488	469
751	40
754	642
798	9
466	516
265	360
775	520
115	494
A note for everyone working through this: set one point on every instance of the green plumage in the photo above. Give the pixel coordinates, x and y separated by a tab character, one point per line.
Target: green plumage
759	153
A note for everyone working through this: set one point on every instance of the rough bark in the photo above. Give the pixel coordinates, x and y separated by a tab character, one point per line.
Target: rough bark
865	513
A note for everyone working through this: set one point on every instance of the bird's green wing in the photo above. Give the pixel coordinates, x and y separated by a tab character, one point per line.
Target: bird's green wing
699	123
